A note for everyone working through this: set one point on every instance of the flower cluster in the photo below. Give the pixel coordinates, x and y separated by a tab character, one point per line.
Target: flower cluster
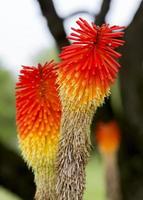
38	112
77	85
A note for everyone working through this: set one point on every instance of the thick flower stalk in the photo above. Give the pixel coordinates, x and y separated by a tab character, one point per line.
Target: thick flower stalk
38	122
88	68
108	138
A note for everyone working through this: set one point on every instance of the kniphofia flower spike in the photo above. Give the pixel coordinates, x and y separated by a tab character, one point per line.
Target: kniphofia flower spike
108	138
89	65
88	68
38	122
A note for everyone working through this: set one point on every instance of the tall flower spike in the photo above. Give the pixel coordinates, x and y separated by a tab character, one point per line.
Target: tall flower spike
108	138
38	122
88	68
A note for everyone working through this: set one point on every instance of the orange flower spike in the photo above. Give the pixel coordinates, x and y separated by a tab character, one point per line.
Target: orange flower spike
87	69
108	137
89	65
38	121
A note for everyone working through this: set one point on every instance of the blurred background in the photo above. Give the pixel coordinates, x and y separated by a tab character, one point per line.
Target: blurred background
33	31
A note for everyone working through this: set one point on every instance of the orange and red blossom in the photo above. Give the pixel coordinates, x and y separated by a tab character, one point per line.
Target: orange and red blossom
38	113
108	137
89	66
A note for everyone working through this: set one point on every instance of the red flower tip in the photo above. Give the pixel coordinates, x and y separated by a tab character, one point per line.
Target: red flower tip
95	35
37	102
91	59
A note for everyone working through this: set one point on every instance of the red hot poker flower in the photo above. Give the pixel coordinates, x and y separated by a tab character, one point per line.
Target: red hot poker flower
87	69
89	65
108	137
37	101
38	123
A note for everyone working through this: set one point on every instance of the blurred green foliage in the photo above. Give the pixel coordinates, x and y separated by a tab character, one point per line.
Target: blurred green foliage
7	108
95	184
7	195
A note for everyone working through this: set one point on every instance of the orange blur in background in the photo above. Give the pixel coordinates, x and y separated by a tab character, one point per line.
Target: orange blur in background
108	137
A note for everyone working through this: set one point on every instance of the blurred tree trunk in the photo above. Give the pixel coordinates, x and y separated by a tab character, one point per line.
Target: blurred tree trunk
14	174
131	76
54	22
100	18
